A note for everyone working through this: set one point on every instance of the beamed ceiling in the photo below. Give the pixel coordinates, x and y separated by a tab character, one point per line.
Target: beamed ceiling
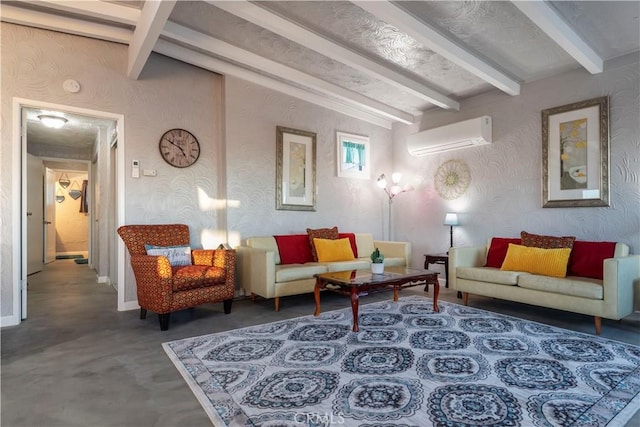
379	61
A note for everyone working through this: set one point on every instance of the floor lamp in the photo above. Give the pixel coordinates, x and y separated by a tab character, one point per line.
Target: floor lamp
392	191
451	219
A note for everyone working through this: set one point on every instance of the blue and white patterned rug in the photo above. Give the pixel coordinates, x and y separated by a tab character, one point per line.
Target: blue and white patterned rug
410	366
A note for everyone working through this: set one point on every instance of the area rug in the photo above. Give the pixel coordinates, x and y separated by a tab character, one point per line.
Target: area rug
410	366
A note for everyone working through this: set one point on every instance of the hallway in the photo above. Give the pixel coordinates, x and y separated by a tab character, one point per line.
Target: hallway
77	361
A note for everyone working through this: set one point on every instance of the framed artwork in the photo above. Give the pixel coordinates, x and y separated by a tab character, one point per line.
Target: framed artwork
575	154
354	156
295	170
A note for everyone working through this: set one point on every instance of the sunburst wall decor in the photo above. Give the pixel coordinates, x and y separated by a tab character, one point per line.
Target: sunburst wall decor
452	179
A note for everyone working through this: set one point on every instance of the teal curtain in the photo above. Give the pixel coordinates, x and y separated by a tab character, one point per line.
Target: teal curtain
354	153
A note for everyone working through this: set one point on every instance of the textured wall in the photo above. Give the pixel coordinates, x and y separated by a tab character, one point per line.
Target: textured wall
168	94
252	114
505	195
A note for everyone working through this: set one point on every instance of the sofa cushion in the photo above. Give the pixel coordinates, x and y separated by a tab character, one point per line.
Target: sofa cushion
498	250
488	274
574	286
289	272
352	242
546	262
587	258
356	264
365	244
330	250
393	261
294	249
320	233
546	242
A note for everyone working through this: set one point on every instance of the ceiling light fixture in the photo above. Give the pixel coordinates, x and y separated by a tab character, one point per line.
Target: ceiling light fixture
50	121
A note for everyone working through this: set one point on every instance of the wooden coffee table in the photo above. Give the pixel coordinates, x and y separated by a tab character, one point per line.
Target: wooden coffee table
354	282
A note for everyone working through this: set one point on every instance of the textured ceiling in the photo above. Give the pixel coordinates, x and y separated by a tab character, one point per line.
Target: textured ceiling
390	61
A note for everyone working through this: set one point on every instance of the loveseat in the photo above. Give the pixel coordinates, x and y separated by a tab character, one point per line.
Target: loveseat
598	281
283	265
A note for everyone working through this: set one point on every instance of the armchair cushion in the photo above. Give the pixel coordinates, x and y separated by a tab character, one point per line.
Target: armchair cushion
178	255
197	276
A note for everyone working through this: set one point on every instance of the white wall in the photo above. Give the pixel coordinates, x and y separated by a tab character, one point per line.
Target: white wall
505	195
252	114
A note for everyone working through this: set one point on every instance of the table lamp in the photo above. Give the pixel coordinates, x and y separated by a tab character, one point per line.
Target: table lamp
451	219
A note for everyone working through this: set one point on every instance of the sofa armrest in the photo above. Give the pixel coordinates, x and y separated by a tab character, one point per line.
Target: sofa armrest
393	250
256	269
475	256
620	277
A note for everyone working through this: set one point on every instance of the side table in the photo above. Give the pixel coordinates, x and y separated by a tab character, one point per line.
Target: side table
442	259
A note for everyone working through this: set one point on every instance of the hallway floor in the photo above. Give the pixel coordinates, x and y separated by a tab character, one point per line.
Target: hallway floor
77	361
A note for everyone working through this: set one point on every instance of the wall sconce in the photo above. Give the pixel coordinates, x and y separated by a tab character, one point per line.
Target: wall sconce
451	219
393	190
51	121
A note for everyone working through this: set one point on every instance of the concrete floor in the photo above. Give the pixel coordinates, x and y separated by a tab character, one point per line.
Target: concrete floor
76	361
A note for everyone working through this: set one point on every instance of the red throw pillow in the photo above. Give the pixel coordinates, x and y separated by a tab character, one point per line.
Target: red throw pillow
498	250
546	242
294	249
587	258
320	233
352	241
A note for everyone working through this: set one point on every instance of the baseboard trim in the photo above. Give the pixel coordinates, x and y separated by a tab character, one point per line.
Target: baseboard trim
13	320
129	305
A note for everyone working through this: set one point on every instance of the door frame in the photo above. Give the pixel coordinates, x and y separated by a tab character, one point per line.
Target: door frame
18	202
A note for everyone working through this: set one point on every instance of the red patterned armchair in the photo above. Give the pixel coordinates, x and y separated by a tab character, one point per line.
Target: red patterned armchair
163	288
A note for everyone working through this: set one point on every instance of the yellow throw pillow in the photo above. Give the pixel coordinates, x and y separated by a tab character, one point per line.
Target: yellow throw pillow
545	262
330	250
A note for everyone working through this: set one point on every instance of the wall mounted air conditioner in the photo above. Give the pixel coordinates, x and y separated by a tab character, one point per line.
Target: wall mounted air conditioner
468	133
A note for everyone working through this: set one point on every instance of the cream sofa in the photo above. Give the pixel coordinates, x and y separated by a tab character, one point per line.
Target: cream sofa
611	297
261	272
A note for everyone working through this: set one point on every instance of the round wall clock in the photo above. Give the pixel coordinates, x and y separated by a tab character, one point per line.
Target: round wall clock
452	179
179	148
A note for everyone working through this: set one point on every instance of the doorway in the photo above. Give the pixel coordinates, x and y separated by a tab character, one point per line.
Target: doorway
82	145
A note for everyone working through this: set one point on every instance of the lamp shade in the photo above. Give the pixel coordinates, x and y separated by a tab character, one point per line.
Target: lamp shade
451	219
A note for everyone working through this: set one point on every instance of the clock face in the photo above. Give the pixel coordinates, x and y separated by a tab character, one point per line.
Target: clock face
179	148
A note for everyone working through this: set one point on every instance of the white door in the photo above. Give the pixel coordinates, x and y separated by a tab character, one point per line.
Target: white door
49	216
35	215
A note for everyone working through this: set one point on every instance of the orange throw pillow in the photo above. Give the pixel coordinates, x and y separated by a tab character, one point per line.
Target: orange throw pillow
545	262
